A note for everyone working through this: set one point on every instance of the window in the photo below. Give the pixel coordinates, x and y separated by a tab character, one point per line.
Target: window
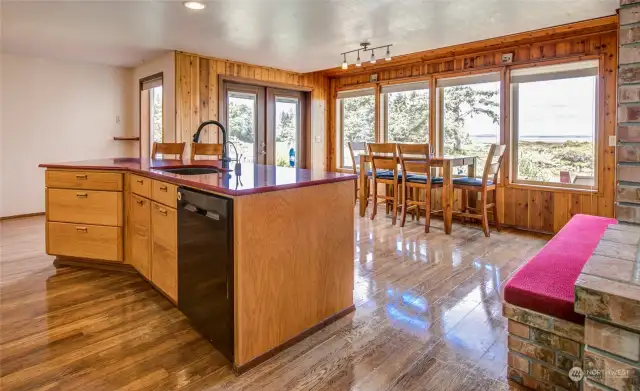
242	109
356	120
406	112
554	124
151	109
470	116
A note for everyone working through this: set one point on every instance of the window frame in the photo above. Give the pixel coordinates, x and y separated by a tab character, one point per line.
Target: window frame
439	110
512	100
145	110
340	122
384	107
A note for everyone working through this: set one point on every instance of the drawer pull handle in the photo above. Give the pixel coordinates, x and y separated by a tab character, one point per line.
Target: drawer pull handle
163	188
140	202
162	211
82	195
140	181
84	177
81	229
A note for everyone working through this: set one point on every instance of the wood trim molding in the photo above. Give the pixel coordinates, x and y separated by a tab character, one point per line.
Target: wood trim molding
21	216
261	83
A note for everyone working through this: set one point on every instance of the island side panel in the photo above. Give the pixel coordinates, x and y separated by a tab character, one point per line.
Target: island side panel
294	252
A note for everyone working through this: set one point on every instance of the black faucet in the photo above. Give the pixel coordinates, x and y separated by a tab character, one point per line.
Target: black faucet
225	141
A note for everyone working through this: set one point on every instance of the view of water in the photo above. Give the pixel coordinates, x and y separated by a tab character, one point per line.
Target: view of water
491	138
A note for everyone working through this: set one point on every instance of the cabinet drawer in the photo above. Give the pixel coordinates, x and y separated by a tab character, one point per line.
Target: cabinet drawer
164	249
85	241
85	180
164	193
84	206
140	185
139	229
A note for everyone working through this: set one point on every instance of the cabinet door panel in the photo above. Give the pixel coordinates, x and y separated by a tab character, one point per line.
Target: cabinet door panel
85	206
164	243
85	241
140	185
164	193
84	180
140	234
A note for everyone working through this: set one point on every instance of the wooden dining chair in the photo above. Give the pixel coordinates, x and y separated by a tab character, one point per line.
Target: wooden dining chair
200	149
176	149
415	161
356	149
488	183
384	169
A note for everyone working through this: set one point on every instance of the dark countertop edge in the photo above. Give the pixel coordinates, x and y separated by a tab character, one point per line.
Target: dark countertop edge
209	188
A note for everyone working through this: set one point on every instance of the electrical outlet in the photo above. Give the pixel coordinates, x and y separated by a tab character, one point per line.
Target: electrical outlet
612	141
117	119
318	139
479	196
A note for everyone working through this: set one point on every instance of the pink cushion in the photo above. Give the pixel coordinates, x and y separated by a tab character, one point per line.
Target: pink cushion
545	283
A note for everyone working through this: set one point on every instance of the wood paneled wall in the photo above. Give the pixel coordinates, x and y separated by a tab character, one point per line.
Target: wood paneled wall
533	208
197	90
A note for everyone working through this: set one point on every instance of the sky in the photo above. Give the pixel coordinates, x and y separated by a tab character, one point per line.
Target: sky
548	109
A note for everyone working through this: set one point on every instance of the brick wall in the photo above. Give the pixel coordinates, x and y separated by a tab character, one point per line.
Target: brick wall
628	139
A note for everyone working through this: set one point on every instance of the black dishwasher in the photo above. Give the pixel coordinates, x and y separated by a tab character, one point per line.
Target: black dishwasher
205	266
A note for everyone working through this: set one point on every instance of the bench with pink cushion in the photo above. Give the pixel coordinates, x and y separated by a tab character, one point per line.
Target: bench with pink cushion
546	335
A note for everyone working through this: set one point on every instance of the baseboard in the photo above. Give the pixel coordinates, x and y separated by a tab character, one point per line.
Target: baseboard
90	263
2	218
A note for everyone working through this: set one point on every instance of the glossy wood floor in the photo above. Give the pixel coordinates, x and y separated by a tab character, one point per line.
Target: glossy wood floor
428	318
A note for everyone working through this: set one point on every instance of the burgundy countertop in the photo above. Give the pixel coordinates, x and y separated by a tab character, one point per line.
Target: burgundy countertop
254	178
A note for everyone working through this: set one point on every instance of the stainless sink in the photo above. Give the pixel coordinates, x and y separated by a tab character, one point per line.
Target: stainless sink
192	170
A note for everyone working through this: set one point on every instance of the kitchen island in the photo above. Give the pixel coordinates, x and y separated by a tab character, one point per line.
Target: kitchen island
292	239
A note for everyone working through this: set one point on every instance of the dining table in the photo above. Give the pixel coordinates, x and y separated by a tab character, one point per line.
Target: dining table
446	163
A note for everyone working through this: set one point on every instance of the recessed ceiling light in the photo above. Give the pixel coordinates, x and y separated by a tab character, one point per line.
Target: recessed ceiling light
195	5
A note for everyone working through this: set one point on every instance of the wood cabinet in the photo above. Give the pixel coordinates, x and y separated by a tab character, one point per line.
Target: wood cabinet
86	220
152	232
139	234
164	251
85	214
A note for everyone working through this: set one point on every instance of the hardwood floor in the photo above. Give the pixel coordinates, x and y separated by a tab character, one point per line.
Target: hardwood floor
428	318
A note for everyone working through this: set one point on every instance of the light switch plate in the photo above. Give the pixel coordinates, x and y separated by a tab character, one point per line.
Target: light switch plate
612	141
318	139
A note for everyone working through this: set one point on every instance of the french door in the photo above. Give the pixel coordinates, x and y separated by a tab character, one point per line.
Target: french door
265	124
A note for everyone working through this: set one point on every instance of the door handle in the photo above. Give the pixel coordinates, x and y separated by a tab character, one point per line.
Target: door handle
140	202
140	181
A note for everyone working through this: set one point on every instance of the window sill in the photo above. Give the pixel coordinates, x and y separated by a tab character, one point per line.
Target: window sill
554	189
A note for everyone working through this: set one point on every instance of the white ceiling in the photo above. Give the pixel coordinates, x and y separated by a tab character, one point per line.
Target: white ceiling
299	35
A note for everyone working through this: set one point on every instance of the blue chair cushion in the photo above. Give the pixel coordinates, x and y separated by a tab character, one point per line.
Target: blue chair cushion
389	175
470	181
423	179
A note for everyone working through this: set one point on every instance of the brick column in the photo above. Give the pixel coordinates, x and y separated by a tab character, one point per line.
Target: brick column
628	151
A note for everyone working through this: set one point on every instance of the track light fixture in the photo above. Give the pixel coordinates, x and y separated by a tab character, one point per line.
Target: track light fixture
365	47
